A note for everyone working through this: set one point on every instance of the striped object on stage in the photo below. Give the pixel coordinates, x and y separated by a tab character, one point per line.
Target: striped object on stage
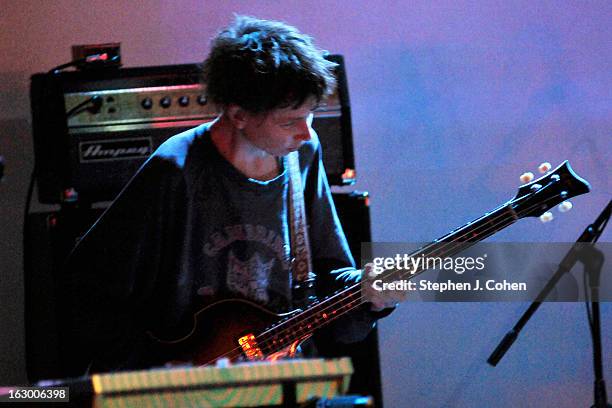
241	385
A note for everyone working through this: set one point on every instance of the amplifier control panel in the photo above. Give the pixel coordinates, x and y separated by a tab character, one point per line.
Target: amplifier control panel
137	105
153	104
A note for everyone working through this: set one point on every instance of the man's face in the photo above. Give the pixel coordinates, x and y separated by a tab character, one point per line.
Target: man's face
280	131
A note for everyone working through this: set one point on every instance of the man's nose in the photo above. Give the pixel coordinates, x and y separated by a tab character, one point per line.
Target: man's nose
304	130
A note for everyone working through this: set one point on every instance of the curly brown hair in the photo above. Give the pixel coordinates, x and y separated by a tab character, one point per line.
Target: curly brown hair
261	65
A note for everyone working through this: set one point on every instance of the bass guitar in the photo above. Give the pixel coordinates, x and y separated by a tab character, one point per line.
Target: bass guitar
238	329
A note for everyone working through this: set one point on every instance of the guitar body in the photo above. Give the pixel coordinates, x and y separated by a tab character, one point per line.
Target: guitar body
216	331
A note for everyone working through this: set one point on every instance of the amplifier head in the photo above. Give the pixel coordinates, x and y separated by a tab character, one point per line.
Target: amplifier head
93	130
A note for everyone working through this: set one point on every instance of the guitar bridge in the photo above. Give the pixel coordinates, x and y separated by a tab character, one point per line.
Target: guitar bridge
249	347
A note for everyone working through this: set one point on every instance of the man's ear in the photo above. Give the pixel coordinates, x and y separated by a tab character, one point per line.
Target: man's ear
237	116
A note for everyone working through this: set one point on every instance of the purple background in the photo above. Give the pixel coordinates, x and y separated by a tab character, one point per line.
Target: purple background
451	101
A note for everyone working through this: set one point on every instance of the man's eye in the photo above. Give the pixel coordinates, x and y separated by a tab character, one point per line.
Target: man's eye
288	124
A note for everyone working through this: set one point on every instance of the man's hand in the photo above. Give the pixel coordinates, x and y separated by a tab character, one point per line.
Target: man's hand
380	299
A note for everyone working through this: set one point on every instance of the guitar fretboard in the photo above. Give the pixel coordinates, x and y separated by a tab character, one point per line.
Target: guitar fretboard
303	324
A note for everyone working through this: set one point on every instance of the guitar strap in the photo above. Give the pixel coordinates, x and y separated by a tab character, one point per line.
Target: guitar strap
301	264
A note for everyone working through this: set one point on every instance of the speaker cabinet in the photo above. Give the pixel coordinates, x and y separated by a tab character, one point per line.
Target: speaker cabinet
50	237
354	212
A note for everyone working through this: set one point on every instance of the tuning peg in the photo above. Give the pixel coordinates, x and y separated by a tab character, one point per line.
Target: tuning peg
544	167
526	177
565	206
546	217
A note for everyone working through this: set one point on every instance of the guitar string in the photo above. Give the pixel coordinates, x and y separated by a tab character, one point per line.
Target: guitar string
345	300
351	304
347	303
440	246
284	326
438	243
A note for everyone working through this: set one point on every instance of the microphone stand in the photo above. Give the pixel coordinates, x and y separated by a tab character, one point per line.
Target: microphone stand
593	260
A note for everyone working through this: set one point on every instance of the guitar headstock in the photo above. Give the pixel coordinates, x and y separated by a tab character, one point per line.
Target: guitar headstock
537	197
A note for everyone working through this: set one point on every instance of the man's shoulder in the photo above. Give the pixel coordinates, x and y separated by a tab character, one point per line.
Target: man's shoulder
178	147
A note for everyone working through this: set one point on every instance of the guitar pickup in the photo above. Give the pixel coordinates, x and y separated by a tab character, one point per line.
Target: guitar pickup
249	347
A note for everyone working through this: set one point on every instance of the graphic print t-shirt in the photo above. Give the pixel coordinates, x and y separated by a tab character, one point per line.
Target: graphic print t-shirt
242	243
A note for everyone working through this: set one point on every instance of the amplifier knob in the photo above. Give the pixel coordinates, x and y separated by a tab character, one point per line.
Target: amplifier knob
202	100
183	100
165	102
147	103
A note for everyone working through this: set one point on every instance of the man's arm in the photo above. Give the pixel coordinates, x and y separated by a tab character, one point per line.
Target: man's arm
118	264
332	260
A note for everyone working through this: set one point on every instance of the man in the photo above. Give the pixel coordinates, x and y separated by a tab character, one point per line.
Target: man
208	214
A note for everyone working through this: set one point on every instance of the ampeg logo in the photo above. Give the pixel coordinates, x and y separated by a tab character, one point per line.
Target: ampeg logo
121	149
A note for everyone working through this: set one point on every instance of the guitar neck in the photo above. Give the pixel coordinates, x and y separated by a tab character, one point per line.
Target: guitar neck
320	313
464	237
532	200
